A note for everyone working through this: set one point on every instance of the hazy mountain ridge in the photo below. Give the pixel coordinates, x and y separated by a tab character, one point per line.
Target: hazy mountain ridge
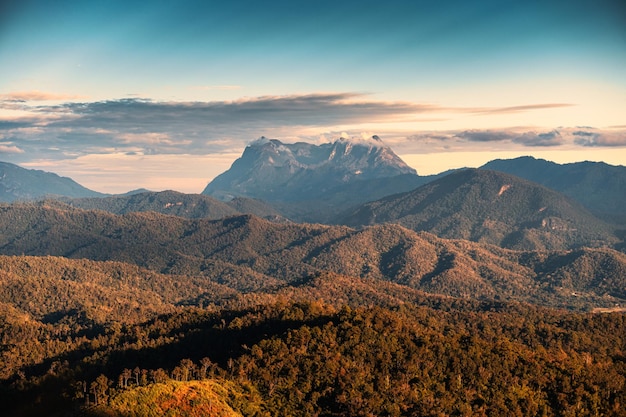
247	253
165	202
17	183
596	185
490	207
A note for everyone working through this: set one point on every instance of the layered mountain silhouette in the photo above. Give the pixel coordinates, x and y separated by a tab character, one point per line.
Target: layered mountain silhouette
192	206
489	207
249	254
312	183
17	183
598	186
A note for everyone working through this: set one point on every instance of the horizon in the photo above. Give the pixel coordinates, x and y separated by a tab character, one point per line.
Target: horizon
155	95
420	159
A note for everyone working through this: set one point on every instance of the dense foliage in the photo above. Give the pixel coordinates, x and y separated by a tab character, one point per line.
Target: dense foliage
248	254
314	359
489	207
149	314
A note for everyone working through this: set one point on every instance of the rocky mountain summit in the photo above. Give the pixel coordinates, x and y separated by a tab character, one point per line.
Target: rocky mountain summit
275	171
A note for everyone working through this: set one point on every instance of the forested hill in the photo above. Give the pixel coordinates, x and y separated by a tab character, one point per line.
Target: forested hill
153	314
598	186
248	253
193	206
489	207
302	359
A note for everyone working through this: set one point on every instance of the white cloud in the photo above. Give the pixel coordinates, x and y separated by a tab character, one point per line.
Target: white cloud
9	148
36	95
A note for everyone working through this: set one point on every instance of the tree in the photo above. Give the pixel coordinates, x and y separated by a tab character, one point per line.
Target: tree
100	389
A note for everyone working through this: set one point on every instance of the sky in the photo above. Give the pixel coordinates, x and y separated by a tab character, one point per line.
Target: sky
120	95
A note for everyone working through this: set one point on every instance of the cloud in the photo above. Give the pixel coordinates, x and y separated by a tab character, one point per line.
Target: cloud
35	95
137	126
485	135
314	109
148	127
9	148
524	108
552	138
515	137
600	138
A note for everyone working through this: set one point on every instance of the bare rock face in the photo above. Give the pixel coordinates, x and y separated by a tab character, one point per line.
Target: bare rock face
275	171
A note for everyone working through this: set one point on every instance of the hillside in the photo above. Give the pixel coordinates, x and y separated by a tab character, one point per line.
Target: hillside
598	186
18	183
309	358
153	314
249	254
165	202
489	207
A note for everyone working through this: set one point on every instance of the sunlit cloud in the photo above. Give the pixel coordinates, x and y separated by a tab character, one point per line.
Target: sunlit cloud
22	96
9	148
517	138
113	135
598	138
485	135
552	138
524	108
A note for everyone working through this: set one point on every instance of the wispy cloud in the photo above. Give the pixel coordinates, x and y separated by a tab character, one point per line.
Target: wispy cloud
515	137
149	127
35	95
519	109
552	138
9	148
485	135
145	127
600	138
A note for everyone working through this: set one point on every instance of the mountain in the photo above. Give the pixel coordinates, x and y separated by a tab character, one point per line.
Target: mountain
18	183
598	186
252	255
311	183
489	207
165	202
274	171
192	206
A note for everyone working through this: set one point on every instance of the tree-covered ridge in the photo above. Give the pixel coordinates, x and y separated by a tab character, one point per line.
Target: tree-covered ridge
489	207
165	202
596	185
251	255
290	359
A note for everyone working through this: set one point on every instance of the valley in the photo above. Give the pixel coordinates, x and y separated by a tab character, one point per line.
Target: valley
317	280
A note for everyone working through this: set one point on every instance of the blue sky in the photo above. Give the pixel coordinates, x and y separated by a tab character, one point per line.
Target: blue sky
164	94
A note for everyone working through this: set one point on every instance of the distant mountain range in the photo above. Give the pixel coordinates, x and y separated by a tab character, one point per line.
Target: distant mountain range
598	186
18	183
312	183
489	207
315	183
193	206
